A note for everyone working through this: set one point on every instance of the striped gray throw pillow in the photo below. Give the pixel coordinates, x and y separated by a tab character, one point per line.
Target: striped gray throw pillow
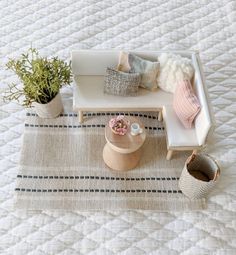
120	83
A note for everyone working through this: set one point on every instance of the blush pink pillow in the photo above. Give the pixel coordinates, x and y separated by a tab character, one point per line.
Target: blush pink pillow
185	103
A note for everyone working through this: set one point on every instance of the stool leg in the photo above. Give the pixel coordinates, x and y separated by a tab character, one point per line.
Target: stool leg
81	117
169	154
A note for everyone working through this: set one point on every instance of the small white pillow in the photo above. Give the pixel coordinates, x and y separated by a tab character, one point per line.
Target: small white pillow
173	69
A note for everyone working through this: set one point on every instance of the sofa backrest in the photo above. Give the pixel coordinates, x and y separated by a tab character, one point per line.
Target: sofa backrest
95	62
204	122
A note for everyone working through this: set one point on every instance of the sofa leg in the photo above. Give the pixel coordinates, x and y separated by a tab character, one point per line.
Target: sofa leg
160	116
81	119
169	154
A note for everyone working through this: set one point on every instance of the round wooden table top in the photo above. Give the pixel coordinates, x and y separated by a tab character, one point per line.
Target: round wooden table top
125	143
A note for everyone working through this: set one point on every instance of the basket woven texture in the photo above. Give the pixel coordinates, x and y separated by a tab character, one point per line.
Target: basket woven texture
199	176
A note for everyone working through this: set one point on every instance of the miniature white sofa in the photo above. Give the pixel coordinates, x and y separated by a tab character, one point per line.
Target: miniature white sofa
89	68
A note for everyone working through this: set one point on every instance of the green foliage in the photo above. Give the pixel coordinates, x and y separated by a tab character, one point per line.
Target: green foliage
42	78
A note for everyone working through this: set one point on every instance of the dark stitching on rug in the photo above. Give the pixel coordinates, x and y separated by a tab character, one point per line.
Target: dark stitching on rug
82	126
98	177
101	114
64	126
100	190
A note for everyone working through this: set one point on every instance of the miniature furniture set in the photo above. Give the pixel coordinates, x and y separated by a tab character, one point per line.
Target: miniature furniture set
89	69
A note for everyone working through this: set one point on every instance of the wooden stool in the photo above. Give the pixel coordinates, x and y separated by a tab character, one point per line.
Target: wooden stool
123	152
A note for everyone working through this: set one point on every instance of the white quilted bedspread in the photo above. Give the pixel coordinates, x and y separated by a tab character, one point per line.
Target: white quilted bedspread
55	27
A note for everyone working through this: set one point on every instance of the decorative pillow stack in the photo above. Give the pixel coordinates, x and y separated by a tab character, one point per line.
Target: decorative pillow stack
173	69
173	74
185	103
133	64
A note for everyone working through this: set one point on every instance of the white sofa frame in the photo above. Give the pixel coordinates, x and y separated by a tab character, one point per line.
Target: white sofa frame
205	122
89	68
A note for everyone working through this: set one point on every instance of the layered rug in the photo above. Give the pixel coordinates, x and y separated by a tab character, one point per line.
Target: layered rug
62	168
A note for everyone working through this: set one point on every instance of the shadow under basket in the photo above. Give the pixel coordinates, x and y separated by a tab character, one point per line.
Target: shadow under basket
199	176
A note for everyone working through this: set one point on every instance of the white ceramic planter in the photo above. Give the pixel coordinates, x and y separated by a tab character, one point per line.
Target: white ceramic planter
51	109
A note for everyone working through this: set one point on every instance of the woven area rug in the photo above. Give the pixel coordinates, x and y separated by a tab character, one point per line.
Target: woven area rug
62	168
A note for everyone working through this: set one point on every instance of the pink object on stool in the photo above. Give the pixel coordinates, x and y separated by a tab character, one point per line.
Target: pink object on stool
119	125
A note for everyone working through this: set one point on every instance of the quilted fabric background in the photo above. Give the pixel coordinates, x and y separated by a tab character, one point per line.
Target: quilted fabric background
55	27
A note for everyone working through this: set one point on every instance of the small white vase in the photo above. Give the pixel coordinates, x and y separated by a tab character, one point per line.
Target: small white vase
51	109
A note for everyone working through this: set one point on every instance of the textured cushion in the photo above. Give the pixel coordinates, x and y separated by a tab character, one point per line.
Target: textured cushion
149	70
173	69
185	103
185	137
120	83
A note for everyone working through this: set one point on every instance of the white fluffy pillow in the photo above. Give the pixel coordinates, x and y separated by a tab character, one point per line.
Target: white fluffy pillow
173	69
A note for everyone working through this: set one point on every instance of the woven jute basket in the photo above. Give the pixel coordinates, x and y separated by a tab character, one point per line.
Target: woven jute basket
200	174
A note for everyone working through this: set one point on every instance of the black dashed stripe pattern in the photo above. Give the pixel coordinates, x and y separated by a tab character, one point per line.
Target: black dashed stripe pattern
82	126
91	125
98	190
65	126
101	114
98	178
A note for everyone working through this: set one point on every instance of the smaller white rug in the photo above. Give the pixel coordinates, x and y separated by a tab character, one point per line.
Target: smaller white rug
62	168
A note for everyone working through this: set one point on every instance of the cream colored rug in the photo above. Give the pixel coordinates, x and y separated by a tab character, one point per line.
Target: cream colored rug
62	168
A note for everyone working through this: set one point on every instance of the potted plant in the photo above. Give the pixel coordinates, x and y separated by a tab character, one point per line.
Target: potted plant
42	79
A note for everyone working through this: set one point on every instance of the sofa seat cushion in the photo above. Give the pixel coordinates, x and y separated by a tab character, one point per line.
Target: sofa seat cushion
177	134
88	95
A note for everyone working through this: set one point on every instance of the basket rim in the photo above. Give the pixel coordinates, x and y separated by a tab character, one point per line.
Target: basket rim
206	155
